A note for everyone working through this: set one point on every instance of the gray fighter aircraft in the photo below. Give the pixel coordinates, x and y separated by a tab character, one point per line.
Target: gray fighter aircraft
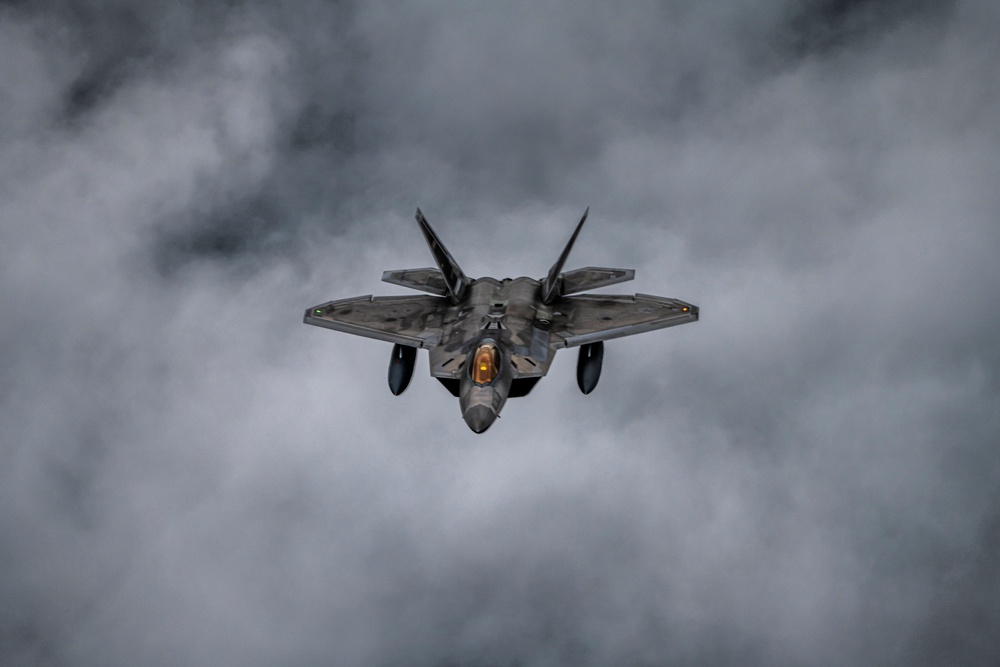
490	340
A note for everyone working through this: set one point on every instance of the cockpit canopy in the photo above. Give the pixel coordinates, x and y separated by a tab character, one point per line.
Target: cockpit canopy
485	363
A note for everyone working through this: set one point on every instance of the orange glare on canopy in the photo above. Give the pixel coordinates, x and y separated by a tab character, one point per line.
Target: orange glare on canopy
486	364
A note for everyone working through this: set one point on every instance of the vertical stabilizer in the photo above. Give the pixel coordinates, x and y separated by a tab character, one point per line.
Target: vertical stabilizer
550	287
456	281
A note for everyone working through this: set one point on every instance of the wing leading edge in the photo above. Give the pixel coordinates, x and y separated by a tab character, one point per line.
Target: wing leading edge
408	320
590	318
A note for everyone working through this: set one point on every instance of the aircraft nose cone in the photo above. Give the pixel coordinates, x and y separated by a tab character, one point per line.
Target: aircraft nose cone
479	418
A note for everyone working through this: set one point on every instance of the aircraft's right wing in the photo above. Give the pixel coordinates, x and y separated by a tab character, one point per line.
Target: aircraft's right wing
589	318
408	320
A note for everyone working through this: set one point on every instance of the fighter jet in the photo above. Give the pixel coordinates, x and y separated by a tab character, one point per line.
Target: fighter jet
489	340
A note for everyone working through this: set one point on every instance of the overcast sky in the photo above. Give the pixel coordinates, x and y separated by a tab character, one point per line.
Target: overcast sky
807	476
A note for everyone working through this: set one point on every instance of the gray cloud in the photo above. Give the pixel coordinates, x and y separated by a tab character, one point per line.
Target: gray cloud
806	476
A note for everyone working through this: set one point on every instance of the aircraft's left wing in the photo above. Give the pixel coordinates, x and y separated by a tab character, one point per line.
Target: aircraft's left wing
589	318
408	320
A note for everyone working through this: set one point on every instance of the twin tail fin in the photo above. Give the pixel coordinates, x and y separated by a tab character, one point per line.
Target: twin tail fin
449	279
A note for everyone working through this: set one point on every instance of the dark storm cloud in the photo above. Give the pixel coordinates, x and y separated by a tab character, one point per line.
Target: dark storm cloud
806	476
822	26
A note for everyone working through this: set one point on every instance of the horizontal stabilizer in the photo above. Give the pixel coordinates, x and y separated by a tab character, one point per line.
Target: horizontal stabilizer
593	277
426	280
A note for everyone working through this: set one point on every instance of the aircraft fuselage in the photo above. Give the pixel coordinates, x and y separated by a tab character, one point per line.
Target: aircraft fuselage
507	314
